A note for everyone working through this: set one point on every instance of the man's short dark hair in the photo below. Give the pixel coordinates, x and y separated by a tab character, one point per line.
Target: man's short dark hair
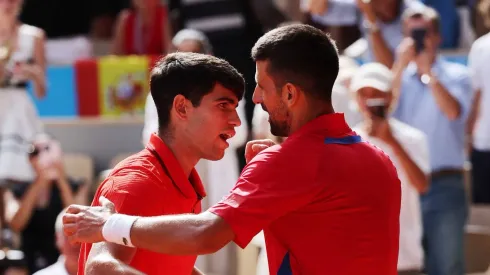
301	55
192	75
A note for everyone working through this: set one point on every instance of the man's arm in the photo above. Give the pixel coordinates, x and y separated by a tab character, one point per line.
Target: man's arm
417	177
261	195
107	258
182	234
170	234
475	110
477	76
448	104
381	51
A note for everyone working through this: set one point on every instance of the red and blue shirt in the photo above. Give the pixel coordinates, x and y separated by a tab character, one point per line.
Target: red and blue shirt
327	201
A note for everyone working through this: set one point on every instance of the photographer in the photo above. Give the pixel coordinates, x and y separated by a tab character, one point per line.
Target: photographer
435	97
406	147
32	208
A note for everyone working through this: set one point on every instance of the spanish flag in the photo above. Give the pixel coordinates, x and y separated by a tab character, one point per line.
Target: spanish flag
113	86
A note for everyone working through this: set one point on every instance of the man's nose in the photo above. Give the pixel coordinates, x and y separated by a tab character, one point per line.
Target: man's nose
257	96
235	119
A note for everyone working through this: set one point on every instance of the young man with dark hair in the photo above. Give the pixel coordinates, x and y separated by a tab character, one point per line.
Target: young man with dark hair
196	96
328	202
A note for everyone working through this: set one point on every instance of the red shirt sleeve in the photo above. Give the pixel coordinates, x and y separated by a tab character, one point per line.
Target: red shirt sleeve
272	185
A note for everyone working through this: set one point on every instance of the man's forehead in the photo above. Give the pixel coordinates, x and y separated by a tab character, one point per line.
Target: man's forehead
261	70
222	93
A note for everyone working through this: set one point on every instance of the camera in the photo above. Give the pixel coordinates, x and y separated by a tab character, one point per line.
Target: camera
418	36
377	107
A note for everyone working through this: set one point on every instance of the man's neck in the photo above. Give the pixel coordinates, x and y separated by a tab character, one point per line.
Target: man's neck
308	115
182	152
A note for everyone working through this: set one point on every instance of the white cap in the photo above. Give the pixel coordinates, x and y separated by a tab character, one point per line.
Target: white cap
373	75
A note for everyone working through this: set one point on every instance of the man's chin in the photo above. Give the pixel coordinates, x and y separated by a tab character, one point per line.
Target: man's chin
216	156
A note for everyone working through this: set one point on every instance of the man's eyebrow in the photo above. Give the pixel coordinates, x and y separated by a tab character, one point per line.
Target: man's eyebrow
227	99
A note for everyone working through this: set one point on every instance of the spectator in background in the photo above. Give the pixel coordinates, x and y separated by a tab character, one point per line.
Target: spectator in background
21	61
435	97
290	8
450	22
481	17
67	263
144	29
479	123
32	207
406	147
269	14
337	17
343	99
69	25
381	25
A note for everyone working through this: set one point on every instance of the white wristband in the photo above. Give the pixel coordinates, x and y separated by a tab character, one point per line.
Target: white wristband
117	229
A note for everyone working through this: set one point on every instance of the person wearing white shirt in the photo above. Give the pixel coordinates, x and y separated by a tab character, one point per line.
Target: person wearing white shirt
479	64
342	97
406	147
67	263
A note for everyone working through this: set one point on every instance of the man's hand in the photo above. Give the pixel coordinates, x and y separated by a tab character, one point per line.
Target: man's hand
317	7
406	51
256	146
366	7
380	128
84	223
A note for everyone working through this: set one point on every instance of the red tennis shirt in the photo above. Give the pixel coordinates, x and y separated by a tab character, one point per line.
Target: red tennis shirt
151	183
327	201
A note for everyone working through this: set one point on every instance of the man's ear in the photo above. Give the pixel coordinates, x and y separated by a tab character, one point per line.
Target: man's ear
181	107
290	94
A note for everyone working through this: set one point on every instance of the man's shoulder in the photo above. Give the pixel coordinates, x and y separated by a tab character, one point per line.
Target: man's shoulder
139	173
481	43
289	156
455	70
138	161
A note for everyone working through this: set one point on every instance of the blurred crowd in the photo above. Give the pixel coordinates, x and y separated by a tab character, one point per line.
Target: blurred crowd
432	116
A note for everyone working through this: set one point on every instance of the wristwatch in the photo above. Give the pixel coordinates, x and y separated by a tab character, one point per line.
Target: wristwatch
369	26
425	78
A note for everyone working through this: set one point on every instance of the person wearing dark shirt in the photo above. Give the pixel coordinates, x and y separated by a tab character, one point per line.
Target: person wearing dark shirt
33	207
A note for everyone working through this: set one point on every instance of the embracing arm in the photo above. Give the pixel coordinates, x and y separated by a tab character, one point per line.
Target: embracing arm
107	258
182	234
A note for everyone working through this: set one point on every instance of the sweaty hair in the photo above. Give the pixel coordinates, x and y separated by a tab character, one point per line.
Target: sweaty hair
301	55
192	75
